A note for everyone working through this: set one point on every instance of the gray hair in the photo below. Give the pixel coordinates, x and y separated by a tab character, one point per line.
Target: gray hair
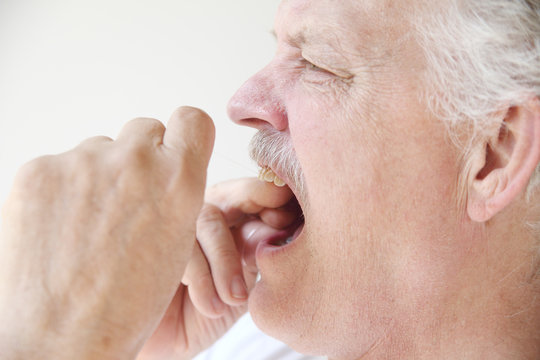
482	56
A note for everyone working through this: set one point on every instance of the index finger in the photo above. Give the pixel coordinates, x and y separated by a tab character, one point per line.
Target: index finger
236	198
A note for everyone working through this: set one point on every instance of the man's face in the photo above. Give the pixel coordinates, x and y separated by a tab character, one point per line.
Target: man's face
379	241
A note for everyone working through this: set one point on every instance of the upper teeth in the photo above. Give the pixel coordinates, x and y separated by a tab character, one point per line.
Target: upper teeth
266	174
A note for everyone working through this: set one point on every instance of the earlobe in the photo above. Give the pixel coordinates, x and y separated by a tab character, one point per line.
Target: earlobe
504	165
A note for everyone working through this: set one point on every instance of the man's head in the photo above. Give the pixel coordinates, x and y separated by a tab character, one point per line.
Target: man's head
407	236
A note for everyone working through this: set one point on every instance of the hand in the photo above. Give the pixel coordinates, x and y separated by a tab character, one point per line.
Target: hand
222	270
95	241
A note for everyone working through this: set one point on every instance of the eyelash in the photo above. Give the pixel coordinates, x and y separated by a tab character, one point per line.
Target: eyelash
317	76
310	66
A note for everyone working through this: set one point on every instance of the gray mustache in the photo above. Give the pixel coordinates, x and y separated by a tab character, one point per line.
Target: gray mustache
272	148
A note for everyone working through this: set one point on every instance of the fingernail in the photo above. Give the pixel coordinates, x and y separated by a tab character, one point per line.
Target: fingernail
218	305
238	288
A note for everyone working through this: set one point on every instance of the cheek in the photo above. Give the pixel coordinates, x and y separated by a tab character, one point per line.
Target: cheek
338	153
389	188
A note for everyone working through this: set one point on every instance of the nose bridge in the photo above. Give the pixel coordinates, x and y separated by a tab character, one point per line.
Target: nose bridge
259	101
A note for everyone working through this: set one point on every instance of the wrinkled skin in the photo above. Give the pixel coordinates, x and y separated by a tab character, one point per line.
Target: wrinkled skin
405	252
99	253
82	231
356	124
389	256
236	216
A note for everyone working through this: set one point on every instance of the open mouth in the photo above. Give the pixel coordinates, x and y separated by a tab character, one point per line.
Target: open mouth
291	232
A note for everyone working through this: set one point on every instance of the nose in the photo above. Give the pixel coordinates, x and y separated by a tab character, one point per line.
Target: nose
260	102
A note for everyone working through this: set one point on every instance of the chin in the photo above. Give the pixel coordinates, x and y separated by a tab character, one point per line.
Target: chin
285	305
282	319
295	305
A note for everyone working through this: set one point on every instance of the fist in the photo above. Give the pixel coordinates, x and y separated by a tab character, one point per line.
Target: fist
94	241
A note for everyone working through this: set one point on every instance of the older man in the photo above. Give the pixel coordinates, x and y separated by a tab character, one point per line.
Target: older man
408	133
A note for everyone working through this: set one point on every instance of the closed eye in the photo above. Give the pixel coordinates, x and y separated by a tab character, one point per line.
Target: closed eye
313	67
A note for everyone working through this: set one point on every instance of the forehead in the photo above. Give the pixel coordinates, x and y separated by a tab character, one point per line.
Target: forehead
353	21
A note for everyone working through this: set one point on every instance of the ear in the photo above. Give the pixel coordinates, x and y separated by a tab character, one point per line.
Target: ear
505	163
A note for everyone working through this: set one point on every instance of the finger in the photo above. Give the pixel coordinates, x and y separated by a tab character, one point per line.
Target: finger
236	198
250	275
142	130
191	132
248	236
187	146
281	217
95	141
222	255
200	284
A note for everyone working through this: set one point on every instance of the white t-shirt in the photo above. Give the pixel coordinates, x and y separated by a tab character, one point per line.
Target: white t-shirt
244	341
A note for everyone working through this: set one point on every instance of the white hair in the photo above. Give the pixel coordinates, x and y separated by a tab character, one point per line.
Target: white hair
482	56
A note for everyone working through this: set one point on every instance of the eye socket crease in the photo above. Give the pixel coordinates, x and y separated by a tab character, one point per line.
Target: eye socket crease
299	45
312	66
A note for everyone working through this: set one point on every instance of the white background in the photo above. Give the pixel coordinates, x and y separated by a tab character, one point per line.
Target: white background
71	69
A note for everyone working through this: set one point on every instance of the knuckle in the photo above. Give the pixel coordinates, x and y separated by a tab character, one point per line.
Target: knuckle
35	166
214	193
202	280
35	171
79	165
210	214
80	157
226	255
146	122
134	154
189	111
155	126
146	126
96	141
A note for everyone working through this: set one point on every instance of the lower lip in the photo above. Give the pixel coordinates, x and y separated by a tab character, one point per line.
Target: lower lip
266	248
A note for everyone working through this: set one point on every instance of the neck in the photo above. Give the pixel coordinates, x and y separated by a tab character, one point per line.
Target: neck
503	333
489	310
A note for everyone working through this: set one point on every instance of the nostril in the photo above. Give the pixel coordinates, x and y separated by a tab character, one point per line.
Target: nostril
252	122
242	112
259	103
258	114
